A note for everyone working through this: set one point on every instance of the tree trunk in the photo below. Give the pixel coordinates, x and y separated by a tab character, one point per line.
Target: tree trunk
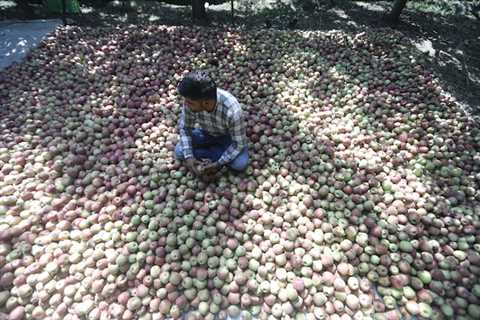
475	10
64	12
394	15
26	8
198	10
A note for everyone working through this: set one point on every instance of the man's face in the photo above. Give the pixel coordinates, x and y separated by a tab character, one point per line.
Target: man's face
194	105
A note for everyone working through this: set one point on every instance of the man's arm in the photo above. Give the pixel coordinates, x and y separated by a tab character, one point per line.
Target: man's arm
237	132
185	127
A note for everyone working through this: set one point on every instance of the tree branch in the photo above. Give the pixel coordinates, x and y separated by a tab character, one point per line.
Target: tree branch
476	12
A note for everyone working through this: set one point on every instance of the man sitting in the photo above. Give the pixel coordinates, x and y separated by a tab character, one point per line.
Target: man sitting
219	136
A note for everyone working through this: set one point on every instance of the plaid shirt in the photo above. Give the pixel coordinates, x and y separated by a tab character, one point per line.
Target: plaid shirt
226	119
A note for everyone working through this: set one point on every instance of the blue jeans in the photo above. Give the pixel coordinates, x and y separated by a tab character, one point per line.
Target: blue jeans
206	146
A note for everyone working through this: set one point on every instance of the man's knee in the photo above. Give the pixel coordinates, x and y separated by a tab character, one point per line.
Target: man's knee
240	163
179	151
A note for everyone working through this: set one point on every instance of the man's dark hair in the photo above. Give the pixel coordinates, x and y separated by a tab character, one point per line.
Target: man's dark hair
197	85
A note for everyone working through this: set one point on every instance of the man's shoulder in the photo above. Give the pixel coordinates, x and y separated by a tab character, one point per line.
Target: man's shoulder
226	95
229	100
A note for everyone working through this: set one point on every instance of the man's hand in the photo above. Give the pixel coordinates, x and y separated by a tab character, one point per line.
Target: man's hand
211	168
191	164
209	172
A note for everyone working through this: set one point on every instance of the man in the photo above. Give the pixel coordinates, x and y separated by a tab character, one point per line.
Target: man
220	136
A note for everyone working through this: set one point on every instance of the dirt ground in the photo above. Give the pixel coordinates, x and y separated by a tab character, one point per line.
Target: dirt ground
451	42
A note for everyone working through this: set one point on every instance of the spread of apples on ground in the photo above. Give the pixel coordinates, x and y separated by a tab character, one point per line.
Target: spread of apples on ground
361	199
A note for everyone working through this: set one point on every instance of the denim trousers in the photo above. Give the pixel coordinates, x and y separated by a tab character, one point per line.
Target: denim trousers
210	147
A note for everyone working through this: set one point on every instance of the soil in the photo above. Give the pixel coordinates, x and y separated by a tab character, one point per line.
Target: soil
450	42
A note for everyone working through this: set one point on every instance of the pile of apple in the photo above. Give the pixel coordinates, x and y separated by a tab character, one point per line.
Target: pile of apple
361	200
